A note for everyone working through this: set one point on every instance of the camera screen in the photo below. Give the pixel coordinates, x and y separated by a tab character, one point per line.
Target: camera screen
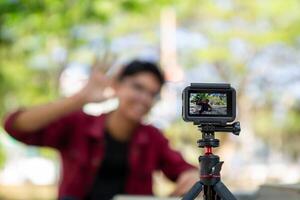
208	104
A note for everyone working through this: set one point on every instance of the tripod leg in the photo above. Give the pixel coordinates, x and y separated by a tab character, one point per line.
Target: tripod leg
223	192
208	193
193	192
215	195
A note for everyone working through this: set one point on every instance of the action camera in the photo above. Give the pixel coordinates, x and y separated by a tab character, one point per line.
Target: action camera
209	103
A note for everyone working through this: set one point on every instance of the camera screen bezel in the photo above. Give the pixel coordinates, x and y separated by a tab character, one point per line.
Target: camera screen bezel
209	88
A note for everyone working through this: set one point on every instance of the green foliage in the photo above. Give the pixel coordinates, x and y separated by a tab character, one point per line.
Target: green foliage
291	122
199	97
214	99
282	133
49	153
2	156
2	151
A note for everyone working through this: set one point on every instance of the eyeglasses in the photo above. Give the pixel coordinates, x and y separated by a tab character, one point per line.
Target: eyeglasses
140	88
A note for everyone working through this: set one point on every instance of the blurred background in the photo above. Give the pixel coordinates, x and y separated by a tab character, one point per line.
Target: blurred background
47	48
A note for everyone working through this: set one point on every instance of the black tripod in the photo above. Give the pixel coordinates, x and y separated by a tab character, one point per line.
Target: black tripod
210	165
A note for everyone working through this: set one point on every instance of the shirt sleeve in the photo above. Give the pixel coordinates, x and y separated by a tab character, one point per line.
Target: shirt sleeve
55	135
171	162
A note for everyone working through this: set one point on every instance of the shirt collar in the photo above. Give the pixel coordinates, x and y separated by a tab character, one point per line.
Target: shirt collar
96	130
96	126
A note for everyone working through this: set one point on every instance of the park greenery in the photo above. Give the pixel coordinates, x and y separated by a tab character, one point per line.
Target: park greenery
214	99
252	44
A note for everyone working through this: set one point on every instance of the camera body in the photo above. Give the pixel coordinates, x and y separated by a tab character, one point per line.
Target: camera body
209	103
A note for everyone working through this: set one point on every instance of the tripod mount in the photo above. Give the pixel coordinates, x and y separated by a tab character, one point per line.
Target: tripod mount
210	165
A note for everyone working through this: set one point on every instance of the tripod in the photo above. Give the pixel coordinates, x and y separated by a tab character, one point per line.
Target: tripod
210	165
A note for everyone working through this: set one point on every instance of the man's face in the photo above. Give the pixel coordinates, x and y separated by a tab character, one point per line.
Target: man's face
137	94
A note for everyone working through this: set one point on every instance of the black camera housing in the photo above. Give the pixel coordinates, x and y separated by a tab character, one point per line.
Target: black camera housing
199	94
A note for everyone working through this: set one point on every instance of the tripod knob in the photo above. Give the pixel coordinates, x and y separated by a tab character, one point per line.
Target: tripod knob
236	128
217	168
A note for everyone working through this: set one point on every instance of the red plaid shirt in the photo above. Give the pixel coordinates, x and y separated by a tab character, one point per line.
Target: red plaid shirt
79	139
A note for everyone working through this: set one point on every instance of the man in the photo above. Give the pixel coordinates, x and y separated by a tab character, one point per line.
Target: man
111	154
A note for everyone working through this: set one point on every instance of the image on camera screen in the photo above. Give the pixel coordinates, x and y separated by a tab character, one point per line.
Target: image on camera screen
212	104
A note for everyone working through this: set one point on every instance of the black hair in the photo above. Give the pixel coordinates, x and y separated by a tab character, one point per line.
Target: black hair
138	66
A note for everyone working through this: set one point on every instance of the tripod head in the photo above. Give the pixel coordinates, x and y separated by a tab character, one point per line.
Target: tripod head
208	133
210	164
